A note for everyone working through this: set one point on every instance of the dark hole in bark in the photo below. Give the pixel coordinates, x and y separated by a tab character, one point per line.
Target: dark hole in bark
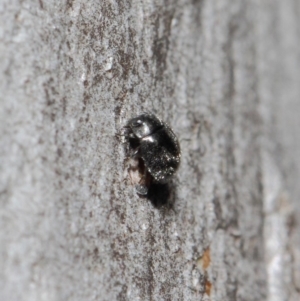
159	194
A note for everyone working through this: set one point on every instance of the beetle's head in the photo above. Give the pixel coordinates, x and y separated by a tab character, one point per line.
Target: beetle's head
144	125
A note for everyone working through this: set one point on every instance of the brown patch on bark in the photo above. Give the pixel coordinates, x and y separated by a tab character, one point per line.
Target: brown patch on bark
208	287
204	261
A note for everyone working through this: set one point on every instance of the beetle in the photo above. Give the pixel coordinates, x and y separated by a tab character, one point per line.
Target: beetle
155	143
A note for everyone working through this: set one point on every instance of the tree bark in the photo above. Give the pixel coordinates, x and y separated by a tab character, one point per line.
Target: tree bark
224	75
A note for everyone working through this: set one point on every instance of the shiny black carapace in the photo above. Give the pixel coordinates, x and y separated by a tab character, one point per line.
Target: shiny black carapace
153	142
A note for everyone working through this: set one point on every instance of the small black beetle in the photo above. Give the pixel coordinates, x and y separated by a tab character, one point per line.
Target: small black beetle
155	143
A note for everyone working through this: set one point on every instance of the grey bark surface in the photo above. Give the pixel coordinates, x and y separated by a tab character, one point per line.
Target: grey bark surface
224	74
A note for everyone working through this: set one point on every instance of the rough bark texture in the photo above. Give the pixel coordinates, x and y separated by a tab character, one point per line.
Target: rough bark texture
225	74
